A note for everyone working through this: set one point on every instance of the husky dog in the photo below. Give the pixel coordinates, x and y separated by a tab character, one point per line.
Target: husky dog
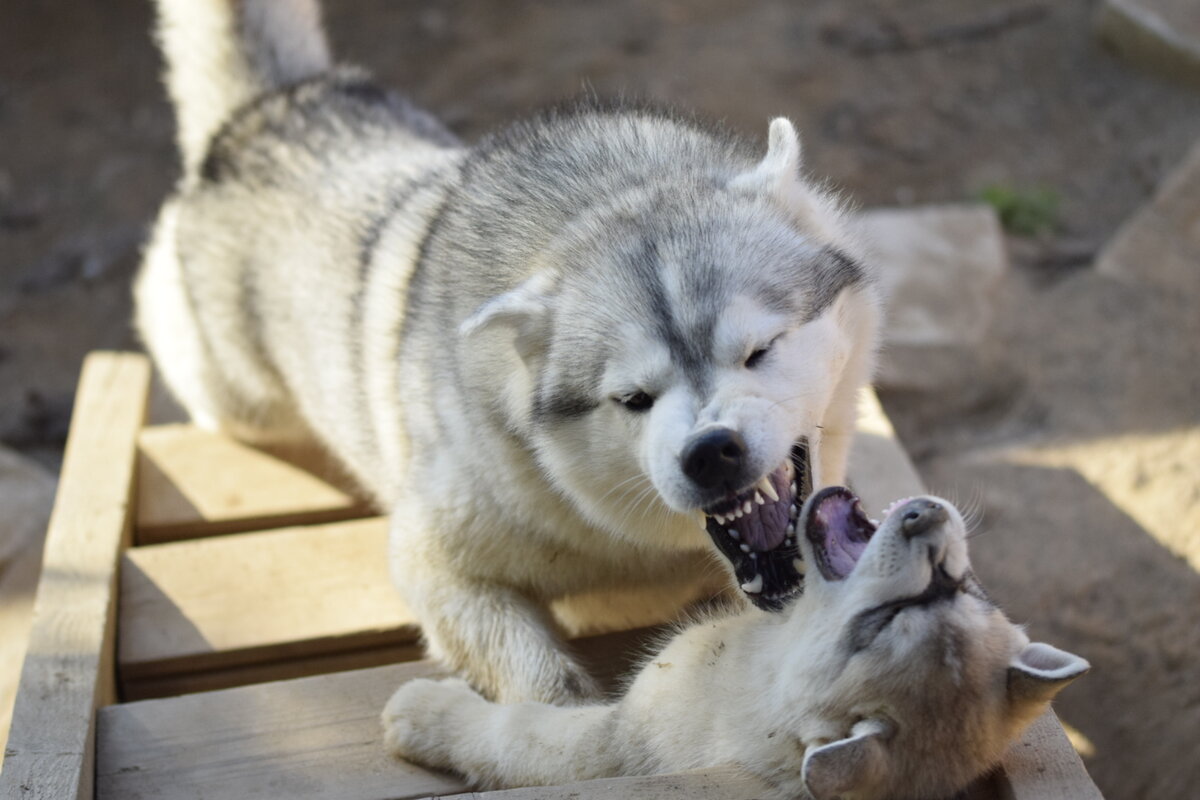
562	358
892	675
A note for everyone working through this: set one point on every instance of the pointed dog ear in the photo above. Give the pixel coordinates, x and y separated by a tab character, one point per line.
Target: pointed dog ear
1040	671
526	309
779	168
858	764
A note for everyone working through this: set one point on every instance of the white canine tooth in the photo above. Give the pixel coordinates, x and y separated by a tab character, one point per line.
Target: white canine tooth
875	522
789	541
745	548
793	511
747	507
753	586
720	518
768	489
758	498
791	529
733	534
795	488
738	513
798	565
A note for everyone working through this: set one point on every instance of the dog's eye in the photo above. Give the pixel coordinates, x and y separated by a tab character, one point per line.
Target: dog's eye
638	401
755	357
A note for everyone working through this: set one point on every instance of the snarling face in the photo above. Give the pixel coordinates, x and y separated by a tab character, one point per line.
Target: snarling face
906	679
688	378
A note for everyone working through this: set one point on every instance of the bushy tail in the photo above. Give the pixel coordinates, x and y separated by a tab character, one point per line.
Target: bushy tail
222	53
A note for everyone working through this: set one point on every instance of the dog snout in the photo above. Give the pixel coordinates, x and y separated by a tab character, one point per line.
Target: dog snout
715	457
920	516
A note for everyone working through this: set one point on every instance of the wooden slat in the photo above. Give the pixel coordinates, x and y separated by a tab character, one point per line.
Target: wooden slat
198	483
314	737
254	597
320	738
1044	766
880	470
68	667
701	784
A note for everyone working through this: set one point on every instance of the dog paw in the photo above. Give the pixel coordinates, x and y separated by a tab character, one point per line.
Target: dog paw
419	723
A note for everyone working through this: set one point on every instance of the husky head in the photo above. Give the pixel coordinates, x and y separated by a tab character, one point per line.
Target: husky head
901	677
690	342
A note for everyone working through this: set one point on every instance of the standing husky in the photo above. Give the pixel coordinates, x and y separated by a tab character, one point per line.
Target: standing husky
559	358
893	676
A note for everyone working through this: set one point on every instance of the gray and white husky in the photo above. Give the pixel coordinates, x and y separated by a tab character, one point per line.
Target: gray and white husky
892	676
566	359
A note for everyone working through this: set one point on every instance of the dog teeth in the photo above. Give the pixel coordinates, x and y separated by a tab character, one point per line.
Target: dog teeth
747	507
791	529
793	511
758	498
745	548
768	489
753	586
790	542
733	534
798	565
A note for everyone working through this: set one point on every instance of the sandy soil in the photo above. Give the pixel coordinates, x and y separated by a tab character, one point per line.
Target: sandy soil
1076	439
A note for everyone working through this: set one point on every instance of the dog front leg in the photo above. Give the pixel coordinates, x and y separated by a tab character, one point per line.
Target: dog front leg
501	641
446	725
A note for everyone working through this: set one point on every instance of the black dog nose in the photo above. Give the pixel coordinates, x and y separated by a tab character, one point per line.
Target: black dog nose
921	515
714	457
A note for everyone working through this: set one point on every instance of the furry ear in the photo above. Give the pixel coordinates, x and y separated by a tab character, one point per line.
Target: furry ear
526	309
858	764
779	167
1040	671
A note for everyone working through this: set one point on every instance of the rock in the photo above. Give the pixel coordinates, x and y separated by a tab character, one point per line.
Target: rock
1160	245
940	269
1162	36
26	495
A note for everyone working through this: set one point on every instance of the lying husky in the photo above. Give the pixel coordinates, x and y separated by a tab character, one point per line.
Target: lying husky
892	676
562	359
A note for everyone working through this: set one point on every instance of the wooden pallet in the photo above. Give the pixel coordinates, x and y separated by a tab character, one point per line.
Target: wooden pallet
167	661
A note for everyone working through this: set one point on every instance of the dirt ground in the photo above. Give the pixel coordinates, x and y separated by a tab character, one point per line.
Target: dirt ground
1076	440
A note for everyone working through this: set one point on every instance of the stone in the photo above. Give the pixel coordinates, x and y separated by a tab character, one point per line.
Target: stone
940	269
1162	36
1160	245
26	495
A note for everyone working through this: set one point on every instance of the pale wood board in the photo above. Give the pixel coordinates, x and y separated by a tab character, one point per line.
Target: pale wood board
320	738
199	483
68	670
316	737
702	784
267	595
1042	765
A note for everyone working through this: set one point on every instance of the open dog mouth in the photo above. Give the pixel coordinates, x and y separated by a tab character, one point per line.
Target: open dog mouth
838	530
756	530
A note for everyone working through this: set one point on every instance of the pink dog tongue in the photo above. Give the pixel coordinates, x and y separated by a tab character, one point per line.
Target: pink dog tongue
843	529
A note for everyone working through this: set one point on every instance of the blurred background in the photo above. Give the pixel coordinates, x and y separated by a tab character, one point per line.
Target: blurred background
1039	168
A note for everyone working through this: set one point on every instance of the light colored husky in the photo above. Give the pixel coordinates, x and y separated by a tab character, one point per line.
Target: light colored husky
892	676
563	359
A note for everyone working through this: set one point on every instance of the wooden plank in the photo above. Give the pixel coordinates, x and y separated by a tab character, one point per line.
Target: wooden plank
1044	766
880	470
199	483
320	738
309	738
702	784
311	590
68	671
